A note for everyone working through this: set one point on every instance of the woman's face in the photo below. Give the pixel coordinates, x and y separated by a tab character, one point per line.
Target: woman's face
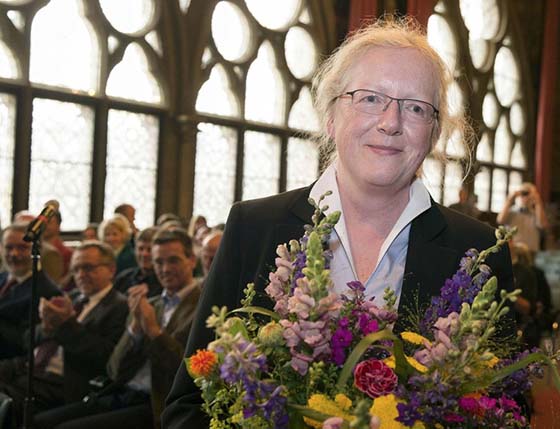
114	237
386	150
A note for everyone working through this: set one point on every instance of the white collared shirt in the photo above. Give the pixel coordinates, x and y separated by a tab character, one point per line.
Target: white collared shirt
389	269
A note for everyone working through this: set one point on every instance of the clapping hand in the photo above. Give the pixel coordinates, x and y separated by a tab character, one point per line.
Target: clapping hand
55	312
144	318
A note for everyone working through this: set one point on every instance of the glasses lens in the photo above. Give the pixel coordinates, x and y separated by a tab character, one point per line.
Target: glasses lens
524	193
416	110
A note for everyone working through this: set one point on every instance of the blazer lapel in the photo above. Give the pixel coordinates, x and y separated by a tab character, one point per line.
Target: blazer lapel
428	260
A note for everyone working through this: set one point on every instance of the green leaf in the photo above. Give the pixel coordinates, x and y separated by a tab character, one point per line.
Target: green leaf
257	310
402	368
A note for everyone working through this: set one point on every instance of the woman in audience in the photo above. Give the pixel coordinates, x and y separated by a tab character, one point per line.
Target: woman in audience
116	233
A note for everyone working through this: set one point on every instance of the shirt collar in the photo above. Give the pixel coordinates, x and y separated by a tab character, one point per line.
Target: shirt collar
176	298
419	201
98	296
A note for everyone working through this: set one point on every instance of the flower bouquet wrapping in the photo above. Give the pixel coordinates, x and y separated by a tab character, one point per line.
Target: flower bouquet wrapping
324	360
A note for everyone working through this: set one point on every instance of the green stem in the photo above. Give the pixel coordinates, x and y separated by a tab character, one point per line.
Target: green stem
257	310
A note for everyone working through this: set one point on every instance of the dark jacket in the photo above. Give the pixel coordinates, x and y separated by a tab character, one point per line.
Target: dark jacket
438	239
14	312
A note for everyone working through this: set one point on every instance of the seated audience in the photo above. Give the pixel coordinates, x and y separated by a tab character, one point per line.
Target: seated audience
144	272
146	358
116	233
75	337
15	290
166	217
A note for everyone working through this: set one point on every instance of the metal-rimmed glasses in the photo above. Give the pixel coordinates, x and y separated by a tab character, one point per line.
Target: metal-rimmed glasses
86	268
375	103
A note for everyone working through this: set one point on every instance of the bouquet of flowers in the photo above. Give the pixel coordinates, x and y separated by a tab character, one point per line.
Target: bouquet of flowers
330	361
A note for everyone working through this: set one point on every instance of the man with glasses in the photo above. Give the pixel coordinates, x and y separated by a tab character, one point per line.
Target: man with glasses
146	357
76	334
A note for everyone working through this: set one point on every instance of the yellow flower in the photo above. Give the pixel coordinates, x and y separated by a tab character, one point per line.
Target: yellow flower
414	338
390	362
493	362
385	407
201	363
327	406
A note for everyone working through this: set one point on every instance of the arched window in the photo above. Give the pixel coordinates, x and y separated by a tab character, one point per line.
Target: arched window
477	41
254	111
85	81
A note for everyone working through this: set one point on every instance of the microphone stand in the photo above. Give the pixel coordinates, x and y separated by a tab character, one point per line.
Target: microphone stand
29	399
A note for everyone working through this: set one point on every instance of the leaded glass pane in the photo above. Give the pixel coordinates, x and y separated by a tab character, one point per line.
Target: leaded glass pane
15	2
132	78
305	17
442	39
517	119
502	142
482	188
61	158
517	156
499	189
132	149
303	163
490	110
61	34
7	140
506	77
216	96
17	19
265	97
432	177
455	145
274	14
301	53
214	175
453	181
303	115
231	32
481	17
184	5
484	149
479	50
515	181
8	63
455	99
153	39
128	16
261	165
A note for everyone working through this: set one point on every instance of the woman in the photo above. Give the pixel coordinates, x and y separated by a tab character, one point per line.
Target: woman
116	232
383	102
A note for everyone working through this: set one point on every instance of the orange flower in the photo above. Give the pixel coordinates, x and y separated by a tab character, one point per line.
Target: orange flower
201	363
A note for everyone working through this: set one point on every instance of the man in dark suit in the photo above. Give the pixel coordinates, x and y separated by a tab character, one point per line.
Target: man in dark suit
75	337
144	362
15	290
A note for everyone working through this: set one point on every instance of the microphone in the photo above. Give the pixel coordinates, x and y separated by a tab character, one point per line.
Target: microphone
37	225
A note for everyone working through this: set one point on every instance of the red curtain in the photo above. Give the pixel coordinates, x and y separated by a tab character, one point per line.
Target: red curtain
361	10
545	115
421	10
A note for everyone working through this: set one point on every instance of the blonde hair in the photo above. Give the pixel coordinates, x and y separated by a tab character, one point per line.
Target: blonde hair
391	32
119	222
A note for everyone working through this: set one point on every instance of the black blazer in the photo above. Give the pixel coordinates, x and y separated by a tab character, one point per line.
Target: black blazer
438	239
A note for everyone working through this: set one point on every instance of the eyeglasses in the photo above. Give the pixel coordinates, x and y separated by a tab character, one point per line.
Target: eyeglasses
524	193
375	103
86	268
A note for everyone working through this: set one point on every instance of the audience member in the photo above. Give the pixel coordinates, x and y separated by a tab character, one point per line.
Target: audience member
15	289
51	235
75	336
116	233
52	261
166	217
209	249
129	212
90	233
144	272
467	203
146	358
528	216
195	224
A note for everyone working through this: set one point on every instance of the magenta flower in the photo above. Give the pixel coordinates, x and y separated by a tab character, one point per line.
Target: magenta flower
375	378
